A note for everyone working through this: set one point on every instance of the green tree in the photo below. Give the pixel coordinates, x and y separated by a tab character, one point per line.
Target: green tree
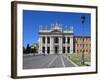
34	50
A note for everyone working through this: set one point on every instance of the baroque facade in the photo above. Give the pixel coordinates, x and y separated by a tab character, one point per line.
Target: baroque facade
56	39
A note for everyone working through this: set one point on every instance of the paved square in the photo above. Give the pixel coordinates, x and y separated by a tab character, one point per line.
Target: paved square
47	61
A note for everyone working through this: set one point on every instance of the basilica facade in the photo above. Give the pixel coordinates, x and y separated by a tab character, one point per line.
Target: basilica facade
56	39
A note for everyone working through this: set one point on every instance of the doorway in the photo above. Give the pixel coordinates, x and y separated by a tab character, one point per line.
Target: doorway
56	49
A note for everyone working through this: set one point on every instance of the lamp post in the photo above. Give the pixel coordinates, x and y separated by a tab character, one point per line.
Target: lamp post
82	57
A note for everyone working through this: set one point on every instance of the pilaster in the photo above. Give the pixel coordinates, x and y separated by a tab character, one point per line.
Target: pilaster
60	45
51	45
71	44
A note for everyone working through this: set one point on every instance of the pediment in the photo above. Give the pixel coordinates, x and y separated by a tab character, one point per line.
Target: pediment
56	31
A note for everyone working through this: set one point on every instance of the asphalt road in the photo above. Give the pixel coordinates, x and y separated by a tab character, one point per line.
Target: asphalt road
47	61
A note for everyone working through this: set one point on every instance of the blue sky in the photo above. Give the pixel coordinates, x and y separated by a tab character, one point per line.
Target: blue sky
32	20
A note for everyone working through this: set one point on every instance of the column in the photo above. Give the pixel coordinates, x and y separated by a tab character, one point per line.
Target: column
60	45
51	45
71	44
40	45
45	44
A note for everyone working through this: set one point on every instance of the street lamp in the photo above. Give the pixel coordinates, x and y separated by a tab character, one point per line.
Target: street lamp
82	57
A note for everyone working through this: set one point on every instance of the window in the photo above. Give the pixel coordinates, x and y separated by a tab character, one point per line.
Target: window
63	49
77	51
80	39
68	49
56	40
43	39
68	40
56	49
48	39
82	45
64	39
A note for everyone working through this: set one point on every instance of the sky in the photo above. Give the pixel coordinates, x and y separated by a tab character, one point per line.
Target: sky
32	19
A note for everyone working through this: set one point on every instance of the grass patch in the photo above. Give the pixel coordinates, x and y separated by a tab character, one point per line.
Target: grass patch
76	58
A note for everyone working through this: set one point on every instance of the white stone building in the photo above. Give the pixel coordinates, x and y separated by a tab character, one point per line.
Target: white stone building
55	40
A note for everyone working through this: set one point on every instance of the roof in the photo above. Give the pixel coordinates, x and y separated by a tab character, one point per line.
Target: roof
82	36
